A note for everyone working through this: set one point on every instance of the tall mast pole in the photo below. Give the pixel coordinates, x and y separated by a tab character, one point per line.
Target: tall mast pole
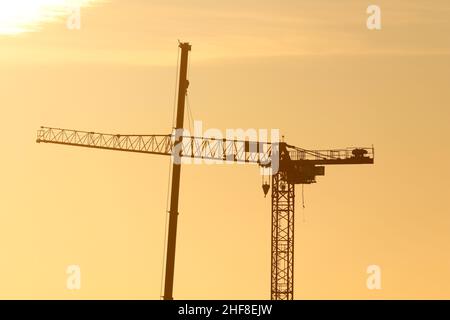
176	171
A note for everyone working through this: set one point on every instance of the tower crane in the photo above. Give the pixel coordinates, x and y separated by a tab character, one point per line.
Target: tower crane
288	165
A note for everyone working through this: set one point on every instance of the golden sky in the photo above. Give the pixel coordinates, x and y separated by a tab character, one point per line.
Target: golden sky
309	68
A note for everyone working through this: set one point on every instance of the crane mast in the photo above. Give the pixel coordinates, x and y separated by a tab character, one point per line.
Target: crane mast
282	249
176	172
290	166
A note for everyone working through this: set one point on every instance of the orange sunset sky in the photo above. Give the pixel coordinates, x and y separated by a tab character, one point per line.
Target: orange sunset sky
309	68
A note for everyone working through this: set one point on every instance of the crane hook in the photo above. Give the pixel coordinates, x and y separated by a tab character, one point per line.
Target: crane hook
266	187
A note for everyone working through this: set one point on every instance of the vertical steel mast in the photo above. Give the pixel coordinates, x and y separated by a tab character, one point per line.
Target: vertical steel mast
282	270
176	171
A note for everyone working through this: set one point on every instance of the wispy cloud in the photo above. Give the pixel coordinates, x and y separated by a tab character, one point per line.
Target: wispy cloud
144	32
21	16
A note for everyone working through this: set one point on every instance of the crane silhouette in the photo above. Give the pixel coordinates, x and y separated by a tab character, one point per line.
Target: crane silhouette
288	165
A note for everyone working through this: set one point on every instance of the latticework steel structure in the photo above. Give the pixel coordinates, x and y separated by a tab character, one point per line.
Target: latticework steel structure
283	205
189	147
289	166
